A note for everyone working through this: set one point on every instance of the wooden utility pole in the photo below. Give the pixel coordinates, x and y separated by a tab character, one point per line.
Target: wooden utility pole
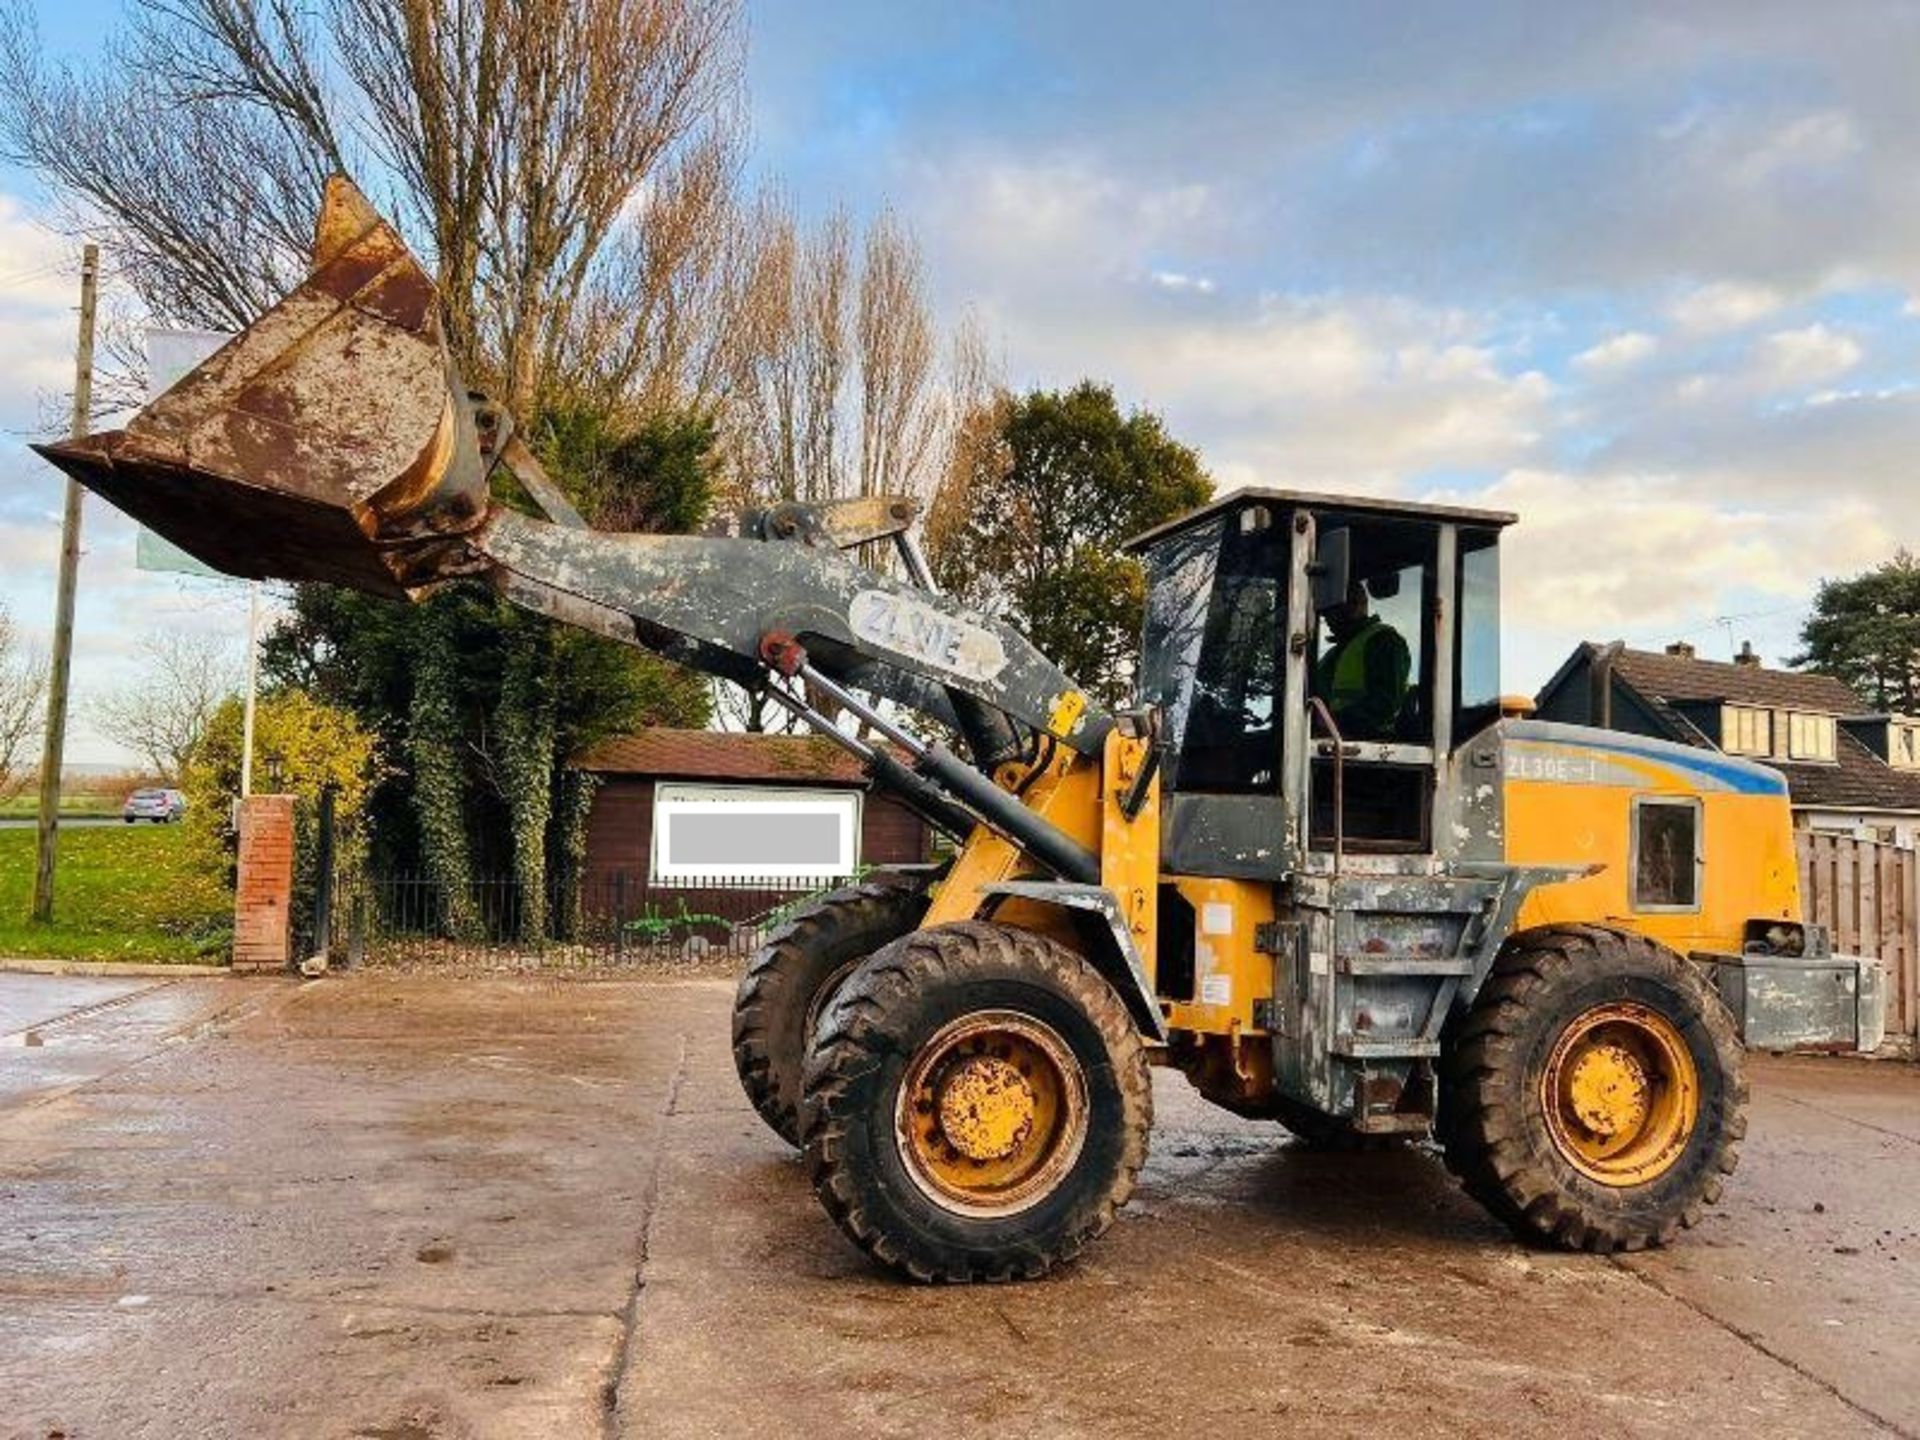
53	750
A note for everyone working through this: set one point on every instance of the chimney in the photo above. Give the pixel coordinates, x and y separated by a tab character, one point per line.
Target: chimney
1680	650
1746	656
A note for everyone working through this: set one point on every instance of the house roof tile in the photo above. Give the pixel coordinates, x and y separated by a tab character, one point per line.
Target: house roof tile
1857	780
716	755
1679	677
1860	780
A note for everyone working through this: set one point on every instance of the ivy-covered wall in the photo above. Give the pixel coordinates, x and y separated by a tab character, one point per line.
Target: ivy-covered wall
479	705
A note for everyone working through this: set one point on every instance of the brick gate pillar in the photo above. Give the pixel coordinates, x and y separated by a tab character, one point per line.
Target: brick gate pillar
263	886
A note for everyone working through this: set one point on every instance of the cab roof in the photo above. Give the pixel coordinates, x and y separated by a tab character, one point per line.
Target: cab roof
1309	500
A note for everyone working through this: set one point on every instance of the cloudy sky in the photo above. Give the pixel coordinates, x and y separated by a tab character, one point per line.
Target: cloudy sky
1649	275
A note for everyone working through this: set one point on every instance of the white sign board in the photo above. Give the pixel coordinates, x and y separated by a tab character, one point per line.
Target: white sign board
170	355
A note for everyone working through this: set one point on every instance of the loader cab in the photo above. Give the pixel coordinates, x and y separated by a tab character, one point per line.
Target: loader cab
1313	660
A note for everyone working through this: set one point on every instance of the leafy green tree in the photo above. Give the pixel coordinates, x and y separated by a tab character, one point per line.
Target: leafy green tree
1866	631
1029	520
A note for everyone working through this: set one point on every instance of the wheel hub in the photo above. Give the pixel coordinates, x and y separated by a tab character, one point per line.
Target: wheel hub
992	1113
1608	1090
986	1108
1620	1094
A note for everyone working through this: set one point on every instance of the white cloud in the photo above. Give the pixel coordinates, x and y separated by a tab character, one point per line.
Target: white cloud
1724	305
27	548
1010	217
1783	360
1617	352
38	291
1871	392
1351	391
1347	393
1807	356
1808	142
1651	556
1177	280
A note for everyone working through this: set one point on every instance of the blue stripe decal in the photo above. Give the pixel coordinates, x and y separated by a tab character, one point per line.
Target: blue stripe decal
1738	775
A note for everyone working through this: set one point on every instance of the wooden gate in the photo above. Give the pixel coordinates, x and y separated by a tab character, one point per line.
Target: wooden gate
1864	892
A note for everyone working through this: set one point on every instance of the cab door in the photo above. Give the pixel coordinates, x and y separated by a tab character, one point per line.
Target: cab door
1217	665
1375	756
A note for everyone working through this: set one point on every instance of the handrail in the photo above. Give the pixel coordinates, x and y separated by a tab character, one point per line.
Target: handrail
1324	715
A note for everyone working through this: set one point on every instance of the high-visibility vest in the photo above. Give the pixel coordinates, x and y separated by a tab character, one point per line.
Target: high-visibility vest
1343	672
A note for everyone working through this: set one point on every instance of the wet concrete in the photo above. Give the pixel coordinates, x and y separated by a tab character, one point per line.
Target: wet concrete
416	1208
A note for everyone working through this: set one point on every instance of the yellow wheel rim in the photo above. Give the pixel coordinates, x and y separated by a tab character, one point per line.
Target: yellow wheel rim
992	1113
1621	1094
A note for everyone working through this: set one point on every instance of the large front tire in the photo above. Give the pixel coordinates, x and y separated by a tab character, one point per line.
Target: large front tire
1595	1098
977	1104
793	975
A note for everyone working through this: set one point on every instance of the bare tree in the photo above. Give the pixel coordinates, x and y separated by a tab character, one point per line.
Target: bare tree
971	447
662	323
523	138
195	148
899	411
23	702
785	415
838	390
162	716
524	130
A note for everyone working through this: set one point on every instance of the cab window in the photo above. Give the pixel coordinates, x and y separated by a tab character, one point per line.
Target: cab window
1666	853
1373	652
1211	652
1477	614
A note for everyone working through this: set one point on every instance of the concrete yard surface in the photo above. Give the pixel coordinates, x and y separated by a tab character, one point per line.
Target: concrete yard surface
424	1207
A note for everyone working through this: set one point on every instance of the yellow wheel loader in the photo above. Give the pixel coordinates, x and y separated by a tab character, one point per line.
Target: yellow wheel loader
1318	867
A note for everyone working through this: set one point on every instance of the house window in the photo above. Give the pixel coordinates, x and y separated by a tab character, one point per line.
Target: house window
1666	853
1810	737
1746	731
1903	746
746	832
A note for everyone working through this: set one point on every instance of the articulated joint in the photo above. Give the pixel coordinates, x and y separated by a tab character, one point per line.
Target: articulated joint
781	653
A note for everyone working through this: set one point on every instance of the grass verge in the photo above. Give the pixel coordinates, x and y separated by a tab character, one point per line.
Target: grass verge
121	893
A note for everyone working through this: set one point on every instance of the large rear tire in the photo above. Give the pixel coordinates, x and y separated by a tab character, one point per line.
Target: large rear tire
1595	1098
793	975
977	1104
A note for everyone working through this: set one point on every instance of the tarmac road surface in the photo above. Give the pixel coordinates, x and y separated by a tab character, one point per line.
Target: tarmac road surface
69	822
421	1207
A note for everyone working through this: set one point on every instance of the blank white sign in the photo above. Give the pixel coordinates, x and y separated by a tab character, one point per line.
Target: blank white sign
717	832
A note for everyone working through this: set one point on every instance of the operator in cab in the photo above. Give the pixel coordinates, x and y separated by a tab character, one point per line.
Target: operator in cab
1363	674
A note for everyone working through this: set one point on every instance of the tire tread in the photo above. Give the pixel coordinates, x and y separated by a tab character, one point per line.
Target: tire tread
777	983
853	1038
1485	1138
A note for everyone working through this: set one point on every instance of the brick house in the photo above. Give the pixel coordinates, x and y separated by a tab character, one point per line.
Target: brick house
691	808
1848	771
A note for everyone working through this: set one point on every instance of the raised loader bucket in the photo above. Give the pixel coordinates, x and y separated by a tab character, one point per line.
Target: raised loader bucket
329	440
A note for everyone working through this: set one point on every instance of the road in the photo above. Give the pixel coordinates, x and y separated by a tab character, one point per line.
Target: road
414	1208
75	822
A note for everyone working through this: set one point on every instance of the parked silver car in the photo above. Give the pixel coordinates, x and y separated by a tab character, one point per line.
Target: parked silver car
159	806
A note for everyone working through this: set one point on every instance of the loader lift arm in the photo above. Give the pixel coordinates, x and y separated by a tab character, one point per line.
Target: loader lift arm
332	441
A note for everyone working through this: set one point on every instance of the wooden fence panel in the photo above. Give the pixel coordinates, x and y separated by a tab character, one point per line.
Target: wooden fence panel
1868	895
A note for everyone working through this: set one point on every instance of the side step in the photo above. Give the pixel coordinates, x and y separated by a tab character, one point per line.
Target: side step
1393	1123
1398	1047
1400	962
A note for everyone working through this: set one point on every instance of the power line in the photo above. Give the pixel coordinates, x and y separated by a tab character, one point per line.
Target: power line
39	272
